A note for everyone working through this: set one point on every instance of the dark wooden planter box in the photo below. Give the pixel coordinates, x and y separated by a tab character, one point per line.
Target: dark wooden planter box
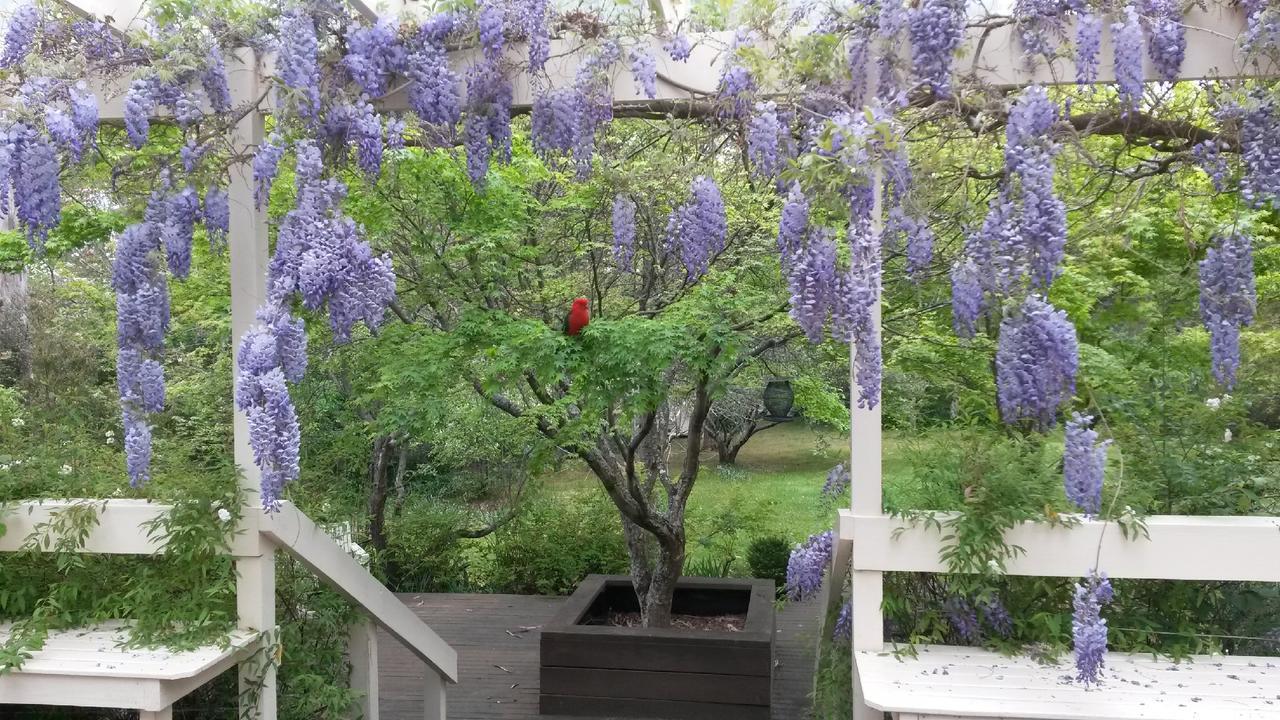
589	668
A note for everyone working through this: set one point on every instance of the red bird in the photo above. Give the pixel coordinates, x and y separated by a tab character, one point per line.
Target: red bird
578	317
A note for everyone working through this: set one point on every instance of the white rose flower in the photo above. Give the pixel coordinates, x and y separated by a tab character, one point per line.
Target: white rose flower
223	515
64	470
17	422
1226	435
1213	403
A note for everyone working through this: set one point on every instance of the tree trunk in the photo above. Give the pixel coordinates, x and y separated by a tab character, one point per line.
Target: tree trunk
382	446
728	452
655	606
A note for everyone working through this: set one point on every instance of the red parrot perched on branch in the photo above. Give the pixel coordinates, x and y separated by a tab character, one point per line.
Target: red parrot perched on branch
579	316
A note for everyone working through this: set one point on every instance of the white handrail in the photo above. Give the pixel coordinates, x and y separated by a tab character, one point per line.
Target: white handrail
1174	547
311	546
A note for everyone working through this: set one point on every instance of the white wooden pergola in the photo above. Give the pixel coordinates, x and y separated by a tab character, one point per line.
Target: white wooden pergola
943	682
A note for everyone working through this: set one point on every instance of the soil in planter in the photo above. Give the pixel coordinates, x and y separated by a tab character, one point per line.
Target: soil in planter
719	623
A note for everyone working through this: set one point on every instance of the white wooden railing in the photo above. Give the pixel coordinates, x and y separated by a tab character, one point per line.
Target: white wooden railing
122	530
1171	547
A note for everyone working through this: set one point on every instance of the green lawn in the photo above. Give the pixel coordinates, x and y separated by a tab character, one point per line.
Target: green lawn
774	489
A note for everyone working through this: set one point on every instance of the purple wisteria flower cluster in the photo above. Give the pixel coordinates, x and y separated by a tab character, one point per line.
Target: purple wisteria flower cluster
20	36
812	280
565	120
1083	462
321	259
1089	628
644	69
936	28
698	229
1166	36
1088	47
1036	361
736	86
808	565
1022	241
1126	39
624	231
793	227
837	482
1208	155
433	89
142	319
374	55
297	62
963	619
763	136
1259	127
1228	300
270	356
842	631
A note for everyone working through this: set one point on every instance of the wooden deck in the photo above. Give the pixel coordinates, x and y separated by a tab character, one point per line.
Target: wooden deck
496	637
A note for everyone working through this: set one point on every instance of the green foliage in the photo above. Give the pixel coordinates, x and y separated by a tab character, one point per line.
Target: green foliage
552	545
767	557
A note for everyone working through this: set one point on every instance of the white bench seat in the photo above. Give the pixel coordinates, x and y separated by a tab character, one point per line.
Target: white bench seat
962	682
88	667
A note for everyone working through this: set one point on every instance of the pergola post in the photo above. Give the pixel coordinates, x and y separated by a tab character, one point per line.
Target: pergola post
247	241
866	588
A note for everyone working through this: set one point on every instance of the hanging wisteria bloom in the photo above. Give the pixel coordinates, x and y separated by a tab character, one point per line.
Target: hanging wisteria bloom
698	228
1089	628
762	140
1166	36
139	104
963	619
20	36
1228	299
808	565
374	55
142	318
936	28
644	69
1259	127
1039	25
1083	462
37	194
679	48
214	81
842	631
624	231
297	60
837	482
855	298
1126	38
217	215
812	281
1088	47
966	297
266	163
180	212
1036	361
487	126
793	226
1208	155
433	90
489	22
534	21
366	134
996	616
736	85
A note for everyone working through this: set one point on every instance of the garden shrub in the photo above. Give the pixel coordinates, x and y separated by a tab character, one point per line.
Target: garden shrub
767	557
552	545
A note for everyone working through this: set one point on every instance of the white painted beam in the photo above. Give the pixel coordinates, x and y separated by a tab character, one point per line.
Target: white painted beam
1181	547
121	528
311	546
1213	51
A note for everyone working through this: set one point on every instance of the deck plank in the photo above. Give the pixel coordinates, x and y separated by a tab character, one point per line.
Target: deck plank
497	637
